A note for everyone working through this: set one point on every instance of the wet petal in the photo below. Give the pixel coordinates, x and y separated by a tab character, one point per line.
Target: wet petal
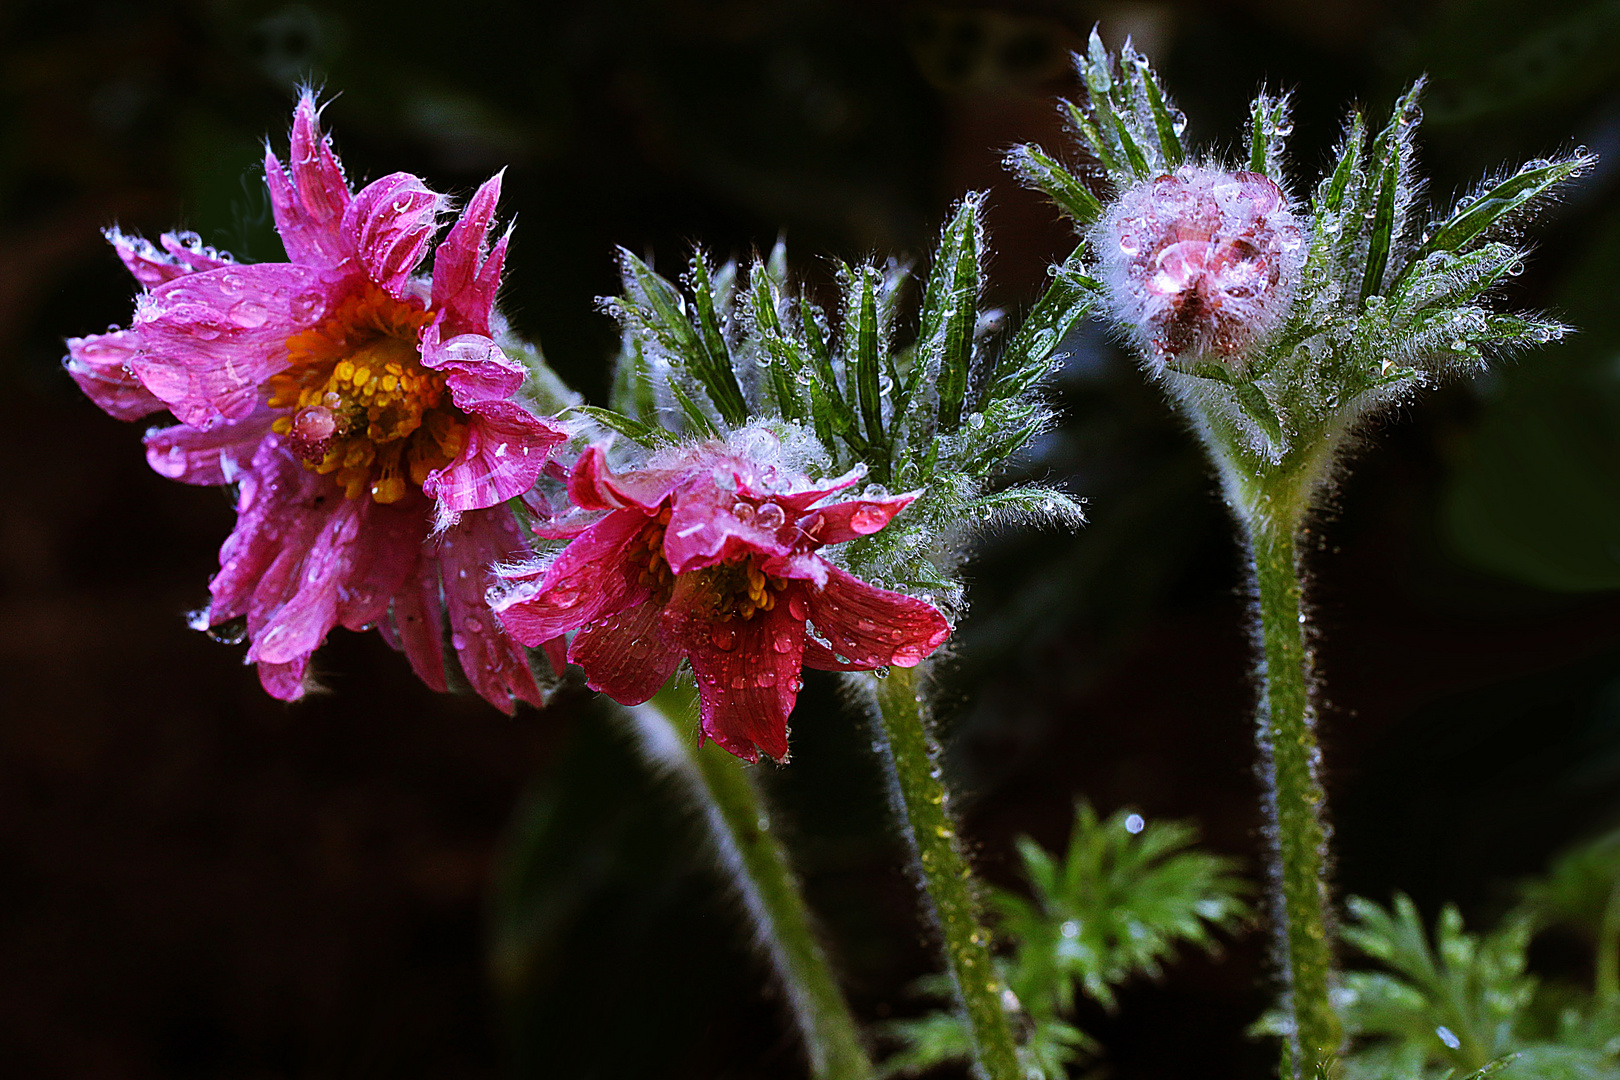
845	521
474	367
623	655
748	675
495	665
868	626
390	225
99	364
593	486
588	580
308	203
191	456
208	341
506	448
415	626
706	528
464	280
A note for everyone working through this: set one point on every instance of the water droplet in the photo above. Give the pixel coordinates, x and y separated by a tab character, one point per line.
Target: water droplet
458	642
783	644
1071	928
1134	823
798	608
743	512
868	519
770	516
307	306
564	596
738	682
909	656
474	625
765	678
250	314
724	638
880	672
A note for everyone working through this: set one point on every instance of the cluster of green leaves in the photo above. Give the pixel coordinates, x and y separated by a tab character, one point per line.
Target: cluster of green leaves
941	410
1387	298
1465	1003
1117	904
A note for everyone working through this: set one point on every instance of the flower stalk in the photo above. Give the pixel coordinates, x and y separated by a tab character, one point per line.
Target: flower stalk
911	758
756	863
1294	798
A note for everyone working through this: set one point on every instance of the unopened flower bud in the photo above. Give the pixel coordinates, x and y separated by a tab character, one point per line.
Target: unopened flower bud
1200	264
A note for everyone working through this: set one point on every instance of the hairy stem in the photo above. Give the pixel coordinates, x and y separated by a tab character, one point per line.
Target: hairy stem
757	865
1295	800
911	758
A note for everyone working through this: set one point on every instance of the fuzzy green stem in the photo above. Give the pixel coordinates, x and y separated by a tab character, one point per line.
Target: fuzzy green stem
1295	799
754	859
1607	977
911	758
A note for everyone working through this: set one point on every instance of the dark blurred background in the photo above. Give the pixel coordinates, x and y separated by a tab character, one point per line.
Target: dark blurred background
196	880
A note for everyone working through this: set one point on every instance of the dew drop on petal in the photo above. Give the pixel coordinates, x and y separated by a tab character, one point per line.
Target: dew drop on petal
765	678
250	314
770	516
909	656
783	644
867	519
743	512
798	608
738	682
724	637
458	642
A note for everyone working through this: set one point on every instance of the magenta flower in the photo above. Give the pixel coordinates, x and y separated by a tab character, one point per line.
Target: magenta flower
364	411
712	556
1200	262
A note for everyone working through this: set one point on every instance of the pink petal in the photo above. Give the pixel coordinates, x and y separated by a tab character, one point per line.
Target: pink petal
506	448
869	626
593	486
797	501
99	364
390	225
184	453
705	529
464	281
475	368
150	266
844	521
190	253
303	559
209	340
494	664
415	626
285	682
308	204
624	656
588	580
747	674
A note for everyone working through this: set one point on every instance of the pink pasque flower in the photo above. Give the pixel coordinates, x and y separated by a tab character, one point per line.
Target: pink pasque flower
710	555
1200	262
364	411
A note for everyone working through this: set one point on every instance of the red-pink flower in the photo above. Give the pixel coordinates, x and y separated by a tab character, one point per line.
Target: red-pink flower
364	411
1200	262
711	555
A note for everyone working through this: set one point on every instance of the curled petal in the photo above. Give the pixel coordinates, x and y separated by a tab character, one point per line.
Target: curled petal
494	664
506	447
747	675
624	656
218	456
464	280
709	527
184	253
844	521
308	203
389	225
208	341
591	578
593	486
869	627
474	367
100	365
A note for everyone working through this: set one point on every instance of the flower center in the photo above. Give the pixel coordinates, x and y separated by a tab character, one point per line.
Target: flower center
361	405
647	565
737	590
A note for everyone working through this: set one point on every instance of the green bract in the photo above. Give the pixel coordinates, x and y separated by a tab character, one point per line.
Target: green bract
940	407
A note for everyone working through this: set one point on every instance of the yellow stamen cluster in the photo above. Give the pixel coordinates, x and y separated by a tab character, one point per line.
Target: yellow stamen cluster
393	422
739	589
647	550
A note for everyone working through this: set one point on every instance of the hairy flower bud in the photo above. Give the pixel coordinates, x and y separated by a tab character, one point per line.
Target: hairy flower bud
1200	263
